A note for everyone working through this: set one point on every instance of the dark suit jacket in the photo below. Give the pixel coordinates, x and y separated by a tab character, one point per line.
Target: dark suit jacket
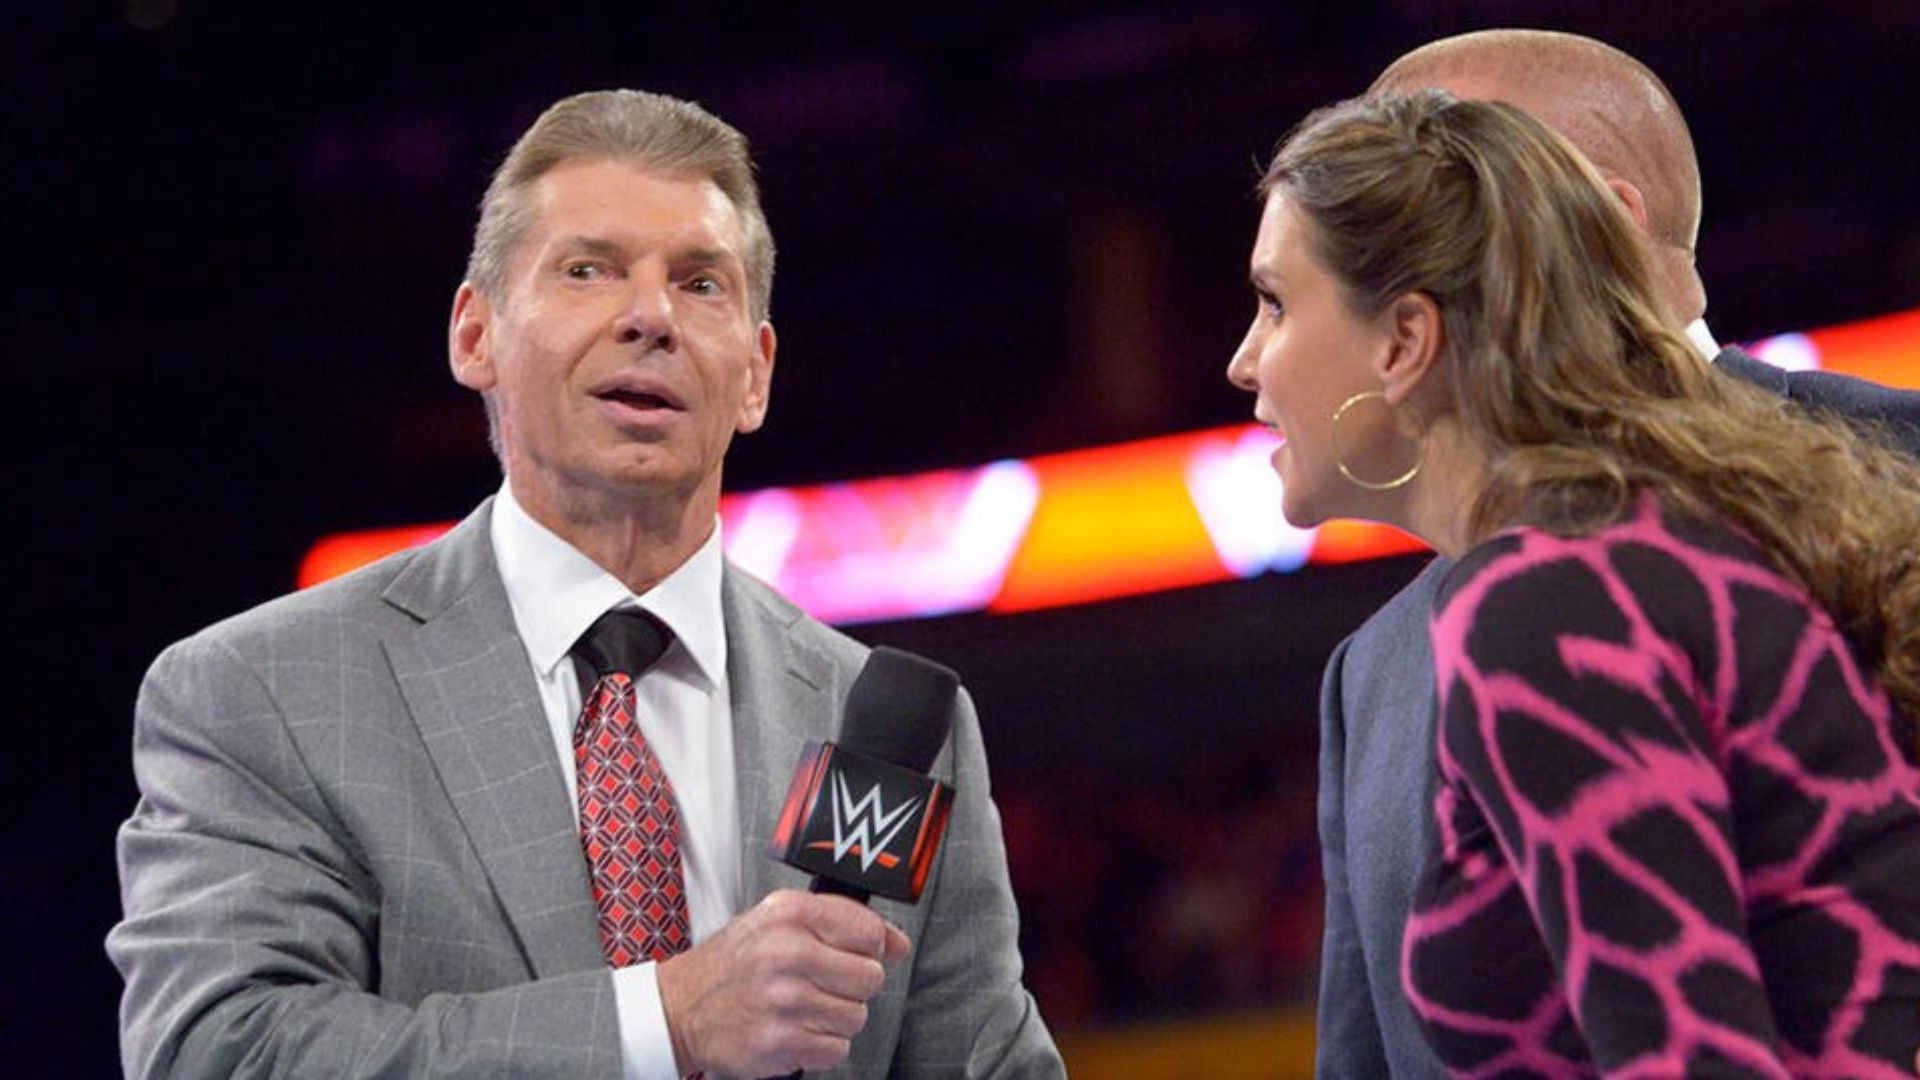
1378	776
1896	412
354	853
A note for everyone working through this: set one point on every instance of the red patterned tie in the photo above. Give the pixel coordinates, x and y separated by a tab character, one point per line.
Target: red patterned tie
629	827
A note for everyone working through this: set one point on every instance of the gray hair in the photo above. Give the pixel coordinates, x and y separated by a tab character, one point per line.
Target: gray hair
651	130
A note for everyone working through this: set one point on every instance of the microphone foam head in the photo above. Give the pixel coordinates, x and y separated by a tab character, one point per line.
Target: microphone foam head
900	709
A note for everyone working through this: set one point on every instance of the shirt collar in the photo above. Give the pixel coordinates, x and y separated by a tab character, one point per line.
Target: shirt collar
1702	339
556	592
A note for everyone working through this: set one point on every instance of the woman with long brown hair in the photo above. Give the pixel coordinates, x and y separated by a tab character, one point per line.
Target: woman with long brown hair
1678	655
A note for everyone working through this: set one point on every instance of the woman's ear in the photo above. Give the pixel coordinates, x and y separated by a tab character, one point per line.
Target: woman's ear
1415	337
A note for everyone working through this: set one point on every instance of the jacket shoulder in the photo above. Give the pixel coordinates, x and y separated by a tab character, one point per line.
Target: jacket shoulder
338	607
769	607
1403	619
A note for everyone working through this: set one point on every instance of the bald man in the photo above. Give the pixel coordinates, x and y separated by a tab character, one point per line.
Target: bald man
1377	769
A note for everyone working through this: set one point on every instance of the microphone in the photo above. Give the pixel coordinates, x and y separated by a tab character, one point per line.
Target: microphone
861	814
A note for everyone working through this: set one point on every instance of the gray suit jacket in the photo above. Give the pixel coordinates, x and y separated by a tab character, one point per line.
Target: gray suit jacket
354	855
1378	776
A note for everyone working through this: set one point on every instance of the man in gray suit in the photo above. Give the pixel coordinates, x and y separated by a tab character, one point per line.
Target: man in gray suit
358	849
1377	770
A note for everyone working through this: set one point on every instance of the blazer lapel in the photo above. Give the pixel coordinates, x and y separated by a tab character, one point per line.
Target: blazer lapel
469	685
783	694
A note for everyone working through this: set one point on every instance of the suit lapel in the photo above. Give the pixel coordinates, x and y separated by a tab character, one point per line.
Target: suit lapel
469	685
783	694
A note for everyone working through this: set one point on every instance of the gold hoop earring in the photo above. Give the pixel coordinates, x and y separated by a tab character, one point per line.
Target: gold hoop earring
1340	455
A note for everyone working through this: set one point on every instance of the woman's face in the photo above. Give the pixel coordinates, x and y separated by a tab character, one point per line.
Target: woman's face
1304	356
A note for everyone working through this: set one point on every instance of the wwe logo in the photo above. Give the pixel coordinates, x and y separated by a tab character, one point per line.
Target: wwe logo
866	826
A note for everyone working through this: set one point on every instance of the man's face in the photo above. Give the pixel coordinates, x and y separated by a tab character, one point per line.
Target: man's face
622	356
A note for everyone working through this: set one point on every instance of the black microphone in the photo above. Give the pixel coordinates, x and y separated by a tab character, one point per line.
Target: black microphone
861	814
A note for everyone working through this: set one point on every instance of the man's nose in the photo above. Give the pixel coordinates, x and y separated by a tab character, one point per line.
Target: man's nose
647	318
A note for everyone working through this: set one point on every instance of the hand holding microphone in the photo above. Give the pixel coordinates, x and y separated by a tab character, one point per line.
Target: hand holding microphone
786	983
783	985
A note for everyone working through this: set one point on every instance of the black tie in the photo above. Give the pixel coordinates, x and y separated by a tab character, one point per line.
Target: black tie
626	640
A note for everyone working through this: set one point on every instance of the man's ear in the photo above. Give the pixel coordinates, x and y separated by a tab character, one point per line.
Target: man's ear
753	407
470	339
1630	198
1415	338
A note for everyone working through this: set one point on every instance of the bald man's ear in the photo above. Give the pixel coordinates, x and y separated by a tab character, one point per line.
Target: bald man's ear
1415	336
1630	198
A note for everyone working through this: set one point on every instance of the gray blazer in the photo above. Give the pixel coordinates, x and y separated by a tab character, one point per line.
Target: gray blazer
1378	776
354	855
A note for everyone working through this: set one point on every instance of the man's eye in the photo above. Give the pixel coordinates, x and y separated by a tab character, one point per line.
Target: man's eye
704	284
582	271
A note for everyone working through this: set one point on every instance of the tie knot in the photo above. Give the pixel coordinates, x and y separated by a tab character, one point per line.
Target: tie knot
627	640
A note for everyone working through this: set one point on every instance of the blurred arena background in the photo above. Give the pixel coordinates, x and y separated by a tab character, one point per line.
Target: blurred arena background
1002	235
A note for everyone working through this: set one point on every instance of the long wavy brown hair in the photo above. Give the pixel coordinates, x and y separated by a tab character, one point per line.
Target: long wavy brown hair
1562	368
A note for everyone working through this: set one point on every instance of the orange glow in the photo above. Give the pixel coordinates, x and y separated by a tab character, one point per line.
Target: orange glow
1105	522
1112	521
1352	541
1885	350
334	555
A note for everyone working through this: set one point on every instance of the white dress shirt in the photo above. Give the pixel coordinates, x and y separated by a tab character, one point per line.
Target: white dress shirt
1702	339
686	714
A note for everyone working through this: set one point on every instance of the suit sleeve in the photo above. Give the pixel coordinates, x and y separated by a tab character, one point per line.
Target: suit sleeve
967	1012
249	943
1348	1040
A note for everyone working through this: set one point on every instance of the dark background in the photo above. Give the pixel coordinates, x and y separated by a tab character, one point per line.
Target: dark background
239	226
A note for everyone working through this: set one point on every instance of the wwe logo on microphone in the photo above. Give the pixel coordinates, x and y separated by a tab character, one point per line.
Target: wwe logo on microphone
894	827
855	823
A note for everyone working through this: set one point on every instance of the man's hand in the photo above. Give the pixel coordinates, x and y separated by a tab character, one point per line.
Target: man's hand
783	986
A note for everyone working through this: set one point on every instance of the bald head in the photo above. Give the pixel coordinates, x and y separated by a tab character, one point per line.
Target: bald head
1608	105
